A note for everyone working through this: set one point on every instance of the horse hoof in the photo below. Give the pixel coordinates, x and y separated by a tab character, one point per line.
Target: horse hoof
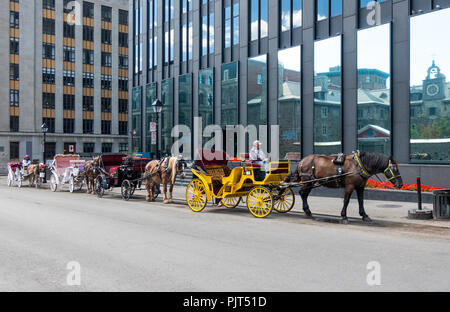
366	219
345	221
165	201
308	214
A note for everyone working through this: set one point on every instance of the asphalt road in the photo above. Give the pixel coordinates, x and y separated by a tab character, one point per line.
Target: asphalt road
139	246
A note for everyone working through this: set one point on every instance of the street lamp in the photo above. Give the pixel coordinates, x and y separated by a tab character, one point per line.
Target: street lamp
157	108
44	130
133	135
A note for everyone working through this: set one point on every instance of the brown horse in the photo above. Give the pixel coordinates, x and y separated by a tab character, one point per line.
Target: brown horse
34	174
355	170
166	173
92	171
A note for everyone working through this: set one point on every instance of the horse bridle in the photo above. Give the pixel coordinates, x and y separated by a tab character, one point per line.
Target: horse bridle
388	171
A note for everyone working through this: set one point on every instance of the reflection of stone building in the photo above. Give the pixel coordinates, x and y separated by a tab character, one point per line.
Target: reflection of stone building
205	97
230	94
257	91
430	114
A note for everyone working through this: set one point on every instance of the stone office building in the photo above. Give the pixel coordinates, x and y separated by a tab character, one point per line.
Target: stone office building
65	65
335	75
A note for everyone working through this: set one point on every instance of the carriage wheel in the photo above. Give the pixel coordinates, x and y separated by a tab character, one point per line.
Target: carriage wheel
196	195
133	189
259	201
53	184
71	185
19	180
126	190
286	200
98	186
231	202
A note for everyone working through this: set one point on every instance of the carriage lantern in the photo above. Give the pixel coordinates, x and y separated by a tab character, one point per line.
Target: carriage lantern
157	108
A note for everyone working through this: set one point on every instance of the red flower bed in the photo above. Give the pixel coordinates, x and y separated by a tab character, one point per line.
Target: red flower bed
406	187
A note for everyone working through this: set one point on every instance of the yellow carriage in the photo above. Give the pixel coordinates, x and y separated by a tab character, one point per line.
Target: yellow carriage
214	180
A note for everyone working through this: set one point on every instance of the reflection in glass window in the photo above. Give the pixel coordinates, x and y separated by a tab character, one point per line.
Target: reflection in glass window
166	116
430	87
259	20
185	104
231	22
206	97
289	101
150	97
290	12
136	120
227	27
211	32
236	23
374	96
285	15
297	13
322	9
257	90
364	3
230	94
327	93
336	7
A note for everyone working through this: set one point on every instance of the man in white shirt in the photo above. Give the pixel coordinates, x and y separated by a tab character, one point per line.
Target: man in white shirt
258	156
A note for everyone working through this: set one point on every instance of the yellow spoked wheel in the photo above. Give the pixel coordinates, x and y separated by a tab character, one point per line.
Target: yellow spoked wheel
231	202
196	195
284	200
259	201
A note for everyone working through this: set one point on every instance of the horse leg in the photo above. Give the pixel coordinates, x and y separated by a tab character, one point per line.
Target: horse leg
153	191
170	192
304	193
165	201
348	193
362	212
148	191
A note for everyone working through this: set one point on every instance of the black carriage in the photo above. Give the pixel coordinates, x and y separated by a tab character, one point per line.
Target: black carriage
118	170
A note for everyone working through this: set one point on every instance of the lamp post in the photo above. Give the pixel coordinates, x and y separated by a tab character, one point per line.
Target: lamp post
44	130
157	108
133	135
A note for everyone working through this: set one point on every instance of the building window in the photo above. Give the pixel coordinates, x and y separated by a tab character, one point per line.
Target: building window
88	9
13	71
123	17
48	100
258	19
152	33
49	150
48	4
106	13
69	102
14	123
106	147
106	82
106	59
14	98
123	147
106	36
88	80
48	75
231	30
123	40
230	94
123	106
48	26
88	148
68	30
14	150
88	103
14	19
68	125
123	84
106	105
50	122
326	8
123	61
88	33
365	3
88	57
123	128
106	127
69	54
68	78
48	51
13	45
88	126
290	14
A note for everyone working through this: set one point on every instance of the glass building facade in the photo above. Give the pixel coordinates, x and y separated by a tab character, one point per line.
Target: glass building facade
335	76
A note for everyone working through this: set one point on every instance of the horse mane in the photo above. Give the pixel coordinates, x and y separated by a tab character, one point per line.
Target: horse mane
374	161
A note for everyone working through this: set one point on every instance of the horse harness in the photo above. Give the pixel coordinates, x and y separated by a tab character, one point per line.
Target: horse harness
388	172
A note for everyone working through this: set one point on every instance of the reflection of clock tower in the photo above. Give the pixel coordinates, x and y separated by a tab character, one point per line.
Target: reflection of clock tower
434	84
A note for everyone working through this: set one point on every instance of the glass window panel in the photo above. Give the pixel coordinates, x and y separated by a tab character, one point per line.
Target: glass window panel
183	43
206	97
327	96
257	90
297	13
190	38
185	103
254	21
150	96
235	30
430	89
204	35
137	116
171	44
227	33
211	33
166	116
322	9
374	96
285	15
264	19
230	94
336	7
289	100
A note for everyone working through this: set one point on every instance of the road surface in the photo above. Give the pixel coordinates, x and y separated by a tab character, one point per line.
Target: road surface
78	242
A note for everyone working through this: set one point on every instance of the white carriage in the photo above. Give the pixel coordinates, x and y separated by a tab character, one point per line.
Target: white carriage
15	174
67	169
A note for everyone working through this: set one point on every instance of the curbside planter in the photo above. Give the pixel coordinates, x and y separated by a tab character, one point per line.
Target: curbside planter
441	204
